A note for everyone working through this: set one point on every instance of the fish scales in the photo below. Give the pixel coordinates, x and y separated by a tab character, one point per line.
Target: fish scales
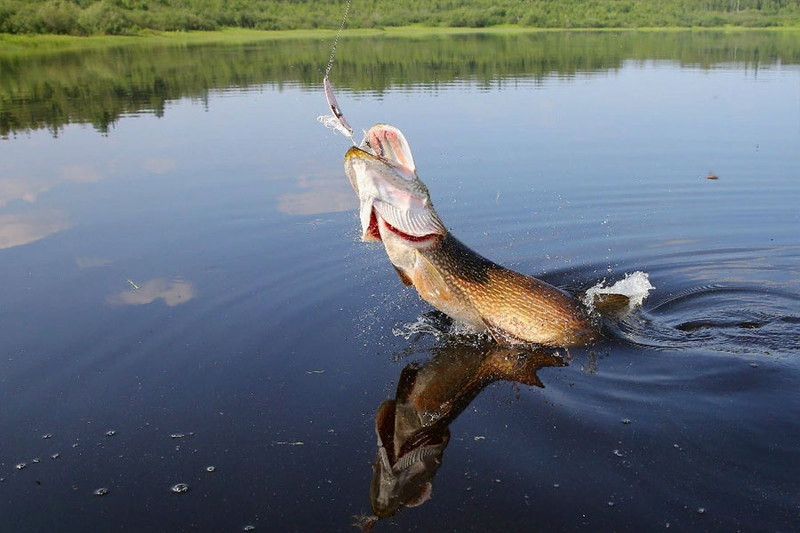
396	209
518	307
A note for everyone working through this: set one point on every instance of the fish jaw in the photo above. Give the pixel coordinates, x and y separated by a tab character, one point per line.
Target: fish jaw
391	196
389	143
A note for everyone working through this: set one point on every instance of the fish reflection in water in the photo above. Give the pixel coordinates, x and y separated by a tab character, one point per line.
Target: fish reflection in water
413	428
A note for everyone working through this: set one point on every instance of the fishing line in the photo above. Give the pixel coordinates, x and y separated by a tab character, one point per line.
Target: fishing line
336	40
336	121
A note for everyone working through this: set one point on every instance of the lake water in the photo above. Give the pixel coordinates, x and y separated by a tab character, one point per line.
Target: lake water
184	297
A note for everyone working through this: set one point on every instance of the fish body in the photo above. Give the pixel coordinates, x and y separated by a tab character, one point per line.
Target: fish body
396	209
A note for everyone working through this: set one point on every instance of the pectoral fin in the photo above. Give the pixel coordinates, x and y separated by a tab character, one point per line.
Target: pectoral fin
500	335
429	282
403	277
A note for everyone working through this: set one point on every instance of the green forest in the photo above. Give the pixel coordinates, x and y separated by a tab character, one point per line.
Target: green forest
131	17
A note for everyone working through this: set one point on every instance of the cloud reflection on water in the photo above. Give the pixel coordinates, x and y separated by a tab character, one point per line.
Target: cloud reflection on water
29	188
173	293
17	229
323	193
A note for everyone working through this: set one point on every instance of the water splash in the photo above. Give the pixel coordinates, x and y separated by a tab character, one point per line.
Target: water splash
435	324
634	286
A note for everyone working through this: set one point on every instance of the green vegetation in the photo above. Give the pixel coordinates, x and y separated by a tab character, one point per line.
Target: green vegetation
48	88
127	17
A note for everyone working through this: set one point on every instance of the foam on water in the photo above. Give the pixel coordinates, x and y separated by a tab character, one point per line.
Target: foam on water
635	286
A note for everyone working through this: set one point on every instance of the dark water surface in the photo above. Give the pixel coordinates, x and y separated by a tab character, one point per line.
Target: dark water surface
184	298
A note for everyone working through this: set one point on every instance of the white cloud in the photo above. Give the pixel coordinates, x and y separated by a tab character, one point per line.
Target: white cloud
173	293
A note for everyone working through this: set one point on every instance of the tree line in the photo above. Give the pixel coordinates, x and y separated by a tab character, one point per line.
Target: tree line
123	17
98	85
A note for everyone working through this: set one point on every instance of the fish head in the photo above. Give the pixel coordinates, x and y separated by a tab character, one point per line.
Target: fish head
404	479
394	203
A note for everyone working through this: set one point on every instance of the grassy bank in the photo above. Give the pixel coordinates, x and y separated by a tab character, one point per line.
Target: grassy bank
14	44
132	17
49	42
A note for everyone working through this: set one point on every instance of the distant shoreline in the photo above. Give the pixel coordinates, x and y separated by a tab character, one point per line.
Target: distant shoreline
131	17
50	82
11	43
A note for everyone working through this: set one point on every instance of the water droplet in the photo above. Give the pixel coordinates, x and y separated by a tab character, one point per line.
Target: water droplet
177	436
110	433
556	485
701	510
249	527
47	436
754	365
102	491
626	421
611	504
210	468
55	456
36	460
180	488
20	466
617	453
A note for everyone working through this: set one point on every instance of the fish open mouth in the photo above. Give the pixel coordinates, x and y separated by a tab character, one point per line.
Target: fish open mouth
383	174
387	142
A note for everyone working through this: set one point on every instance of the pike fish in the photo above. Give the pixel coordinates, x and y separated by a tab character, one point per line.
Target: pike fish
396	209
